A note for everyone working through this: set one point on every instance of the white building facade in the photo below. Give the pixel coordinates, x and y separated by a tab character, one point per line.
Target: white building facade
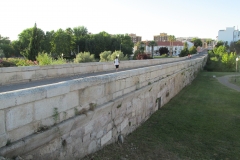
176	46
229	35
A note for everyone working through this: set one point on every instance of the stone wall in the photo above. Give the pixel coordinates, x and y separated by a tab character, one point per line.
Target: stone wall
74	118
11	75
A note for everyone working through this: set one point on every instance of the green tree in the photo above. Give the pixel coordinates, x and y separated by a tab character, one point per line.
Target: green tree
16	47
81	35
152	44
219	43
102	43
229	60
163	50
171	40
185	50
46	45
235	47
6	47
34	45
197	42
192	50
80	31
220	60
127	44
24	39
62	43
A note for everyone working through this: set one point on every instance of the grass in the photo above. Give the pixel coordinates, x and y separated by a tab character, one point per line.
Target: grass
201	122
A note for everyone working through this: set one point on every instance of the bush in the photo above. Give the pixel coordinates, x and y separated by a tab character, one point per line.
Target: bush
25	62
84	57
105	56
45	59
193	50
220	60
118	54
4	63
184	52
59	60
143	56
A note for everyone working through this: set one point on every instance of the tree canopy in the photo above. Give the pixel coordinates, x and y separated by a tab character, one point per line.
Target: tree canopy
197	42
68	42
163	50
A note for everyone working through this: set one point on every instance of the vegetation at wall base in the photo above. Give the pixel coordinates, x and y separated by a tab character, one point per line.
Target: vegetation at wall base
219	59
201	122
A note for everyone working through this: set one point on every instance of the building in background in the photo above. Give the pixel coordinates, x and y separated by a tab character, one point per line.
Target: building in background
161	37
229	35
177	47
135	38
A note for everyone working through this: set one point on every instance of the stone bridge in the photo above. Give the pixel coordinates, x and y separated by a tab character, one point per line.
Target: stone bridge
86	106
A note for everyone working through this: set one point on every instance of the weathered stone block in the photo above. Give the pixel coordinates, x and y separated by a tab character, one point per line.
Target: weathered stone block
2	122
28	75
30	95
92	147
20	132
106	138
40	74
62	72
86	138
57	89
52	73
124	123
99	134
19	116
3	140
45	108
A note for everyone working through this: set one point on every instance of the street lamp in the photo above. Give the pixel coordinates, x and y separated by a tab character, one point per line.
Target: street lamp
236	67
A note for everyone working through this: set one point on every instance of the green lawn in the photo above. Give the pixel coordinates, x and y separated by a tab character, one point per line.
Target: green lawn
201	122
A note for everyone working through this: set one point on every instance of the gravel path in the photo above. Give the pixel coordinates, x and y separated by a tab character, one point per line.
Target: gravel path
225	81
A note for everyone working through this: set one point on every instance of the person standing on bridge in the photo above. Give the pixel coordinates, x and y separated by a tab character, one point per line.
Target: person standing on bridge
116	63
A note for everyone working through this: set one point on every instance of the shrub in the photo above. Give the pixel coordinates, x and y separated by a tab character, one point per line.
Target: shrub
193	50
143	56
46	59
59	60
136	54
84	57
104	56
25	62
17	62
119	54
4	63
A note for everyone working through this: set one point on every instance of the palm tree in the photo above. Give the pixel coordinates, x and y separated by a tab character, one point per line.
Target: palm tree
171	40
152	44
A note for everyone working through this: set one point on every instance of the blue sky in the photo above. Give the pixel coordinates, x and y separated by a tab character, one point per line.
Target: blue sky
146	18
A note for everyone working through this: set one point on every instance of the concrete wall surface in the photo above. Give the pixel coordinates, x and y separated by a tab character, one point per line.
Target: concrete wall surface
71	119
10	75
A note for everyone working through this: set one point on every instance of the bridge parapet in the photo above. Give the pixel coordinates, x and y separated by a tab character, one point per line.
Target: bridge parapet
10	75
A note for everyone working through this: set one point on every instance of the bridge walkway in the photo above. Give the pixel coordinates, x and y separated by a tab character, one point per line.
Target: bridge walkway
19	86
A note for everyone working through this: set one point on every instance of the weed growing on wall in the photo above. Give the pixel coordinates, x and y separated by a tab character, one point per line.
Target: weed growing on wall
55	115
